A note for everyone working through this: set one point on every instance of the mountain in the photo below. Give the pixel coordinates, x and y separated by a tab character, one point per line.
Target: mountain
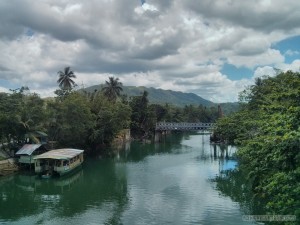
160	96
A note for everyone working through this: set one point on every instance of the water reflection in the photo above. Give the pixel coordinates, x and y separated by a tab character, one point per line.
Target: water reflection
138	151
165	183
97	186
33	183
233	182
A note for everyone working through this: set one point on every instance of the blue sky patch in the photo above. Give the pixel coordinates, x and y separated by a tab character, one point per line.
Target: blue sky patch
236	73
29	32
7	84
290	48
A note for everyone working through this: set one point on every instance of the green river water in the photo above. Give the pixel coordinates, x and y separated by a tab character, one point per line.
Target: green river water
164	183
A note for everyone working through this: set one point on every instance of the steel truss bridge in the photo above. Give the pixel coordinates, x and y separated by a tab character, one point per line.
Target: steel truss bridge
168	126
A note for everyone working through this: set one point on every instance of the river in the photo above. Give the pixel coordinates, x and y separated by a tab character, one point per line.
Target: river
171	182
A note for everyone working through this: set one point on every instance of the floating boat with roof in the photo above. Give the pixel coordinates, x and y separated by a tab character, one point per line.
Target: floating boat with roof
58	162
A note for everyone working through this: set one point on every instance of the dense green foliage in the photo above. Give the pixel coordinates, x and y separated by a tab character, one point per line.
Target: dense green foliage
65	80
73	120
20	114
112	89
267	128
89	120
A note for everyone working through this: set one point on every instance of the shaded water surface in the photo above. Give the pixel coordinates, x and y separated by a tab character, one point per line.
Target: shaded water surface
165	183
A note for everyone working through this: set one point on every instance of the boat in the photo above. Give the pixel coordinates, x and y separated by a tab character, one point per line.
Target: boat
58	162
46	176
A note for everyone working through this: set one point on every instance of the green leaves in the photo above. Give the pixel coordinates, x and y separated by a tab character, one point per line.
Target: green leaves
112	89
21	112
267	129
73	120
65	80
109	120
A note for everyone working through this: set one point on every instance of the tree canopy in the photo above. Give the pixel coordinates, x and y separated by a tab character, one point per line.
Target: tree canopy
112	89
88	120
65	80
267	129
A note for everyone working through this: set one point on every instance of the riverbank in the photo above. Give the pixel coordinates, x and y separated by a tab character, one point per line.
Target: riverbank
8	166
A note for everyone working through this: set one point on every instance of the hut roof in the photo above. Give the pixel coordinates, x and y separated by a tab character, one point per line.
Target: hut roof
66	153
28	149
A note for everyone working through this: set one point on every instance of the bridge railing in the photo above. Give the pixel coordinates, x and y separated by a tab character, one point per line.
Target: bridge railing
183	126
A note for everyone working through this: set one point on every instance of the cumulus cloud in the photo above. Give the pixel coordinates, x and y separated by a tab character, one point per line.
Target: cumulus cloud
2	89
264	71
291	53
294	66
149	7
180	45
268	57
265	16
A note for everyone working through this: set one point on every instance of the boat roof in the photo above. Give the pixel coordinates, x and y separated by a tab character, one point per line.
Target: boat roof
28	149
65	153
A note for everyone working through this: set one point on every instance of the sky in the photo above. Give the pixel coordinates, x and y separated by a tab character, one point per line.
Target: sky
213	48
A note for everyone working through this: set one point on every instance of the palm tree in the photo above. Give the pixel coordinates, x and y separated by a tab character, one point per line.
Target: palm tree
112	89
65	79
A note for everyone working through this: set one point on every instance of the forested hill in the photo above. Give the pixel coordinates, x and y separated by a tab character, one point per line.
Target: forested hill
160	96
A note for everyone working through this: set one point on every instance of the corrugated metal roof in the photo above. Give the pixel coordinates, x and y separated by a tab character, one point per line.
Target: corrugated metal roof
66	153
28	149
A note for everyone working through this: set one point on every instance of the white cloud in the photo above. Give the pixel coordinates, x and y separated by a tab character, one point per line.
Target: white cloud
2	89
149	7
291	53
294	66
264	71
180	45
252	46
268	57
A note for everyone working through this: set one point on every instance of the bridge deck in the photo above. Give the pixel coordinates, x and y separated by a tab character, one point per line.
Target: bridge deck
183	126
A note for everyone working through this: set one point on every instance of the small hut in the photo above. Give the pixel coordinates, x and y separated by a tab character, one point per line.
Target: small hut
27	152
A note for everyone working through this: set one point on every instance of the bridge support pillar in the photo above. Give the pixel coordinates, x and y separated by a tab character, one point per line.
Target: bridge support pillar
159	135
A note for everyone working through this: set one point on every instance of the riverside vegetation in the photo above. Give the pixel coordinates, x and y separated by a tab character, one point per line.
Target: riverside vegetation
267	131
90	120
266	128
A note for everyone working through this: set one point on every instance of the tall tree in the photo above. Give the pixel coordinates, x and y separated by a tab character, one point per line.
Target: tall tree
113	89
109	120
65	79
267	128
21	114
142	117
73	121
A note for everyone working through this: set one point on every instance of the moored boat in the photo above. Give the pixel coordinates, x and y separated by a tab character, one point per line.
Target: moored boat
46	176
58	162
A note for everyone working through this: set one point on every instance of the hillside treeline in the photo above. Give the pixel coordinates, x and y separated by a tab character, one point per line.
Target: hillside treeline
87	120
267	131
